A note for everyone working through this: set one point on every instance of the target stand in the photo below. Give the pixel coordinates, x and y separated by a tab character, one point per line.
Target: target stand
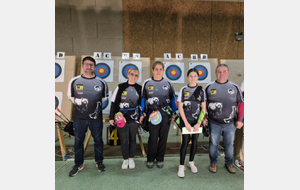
63	150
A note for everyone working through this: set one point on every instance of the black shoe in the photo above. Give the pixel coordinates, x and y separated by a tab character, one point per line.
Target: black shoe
100	166
160	164
149	164
75	170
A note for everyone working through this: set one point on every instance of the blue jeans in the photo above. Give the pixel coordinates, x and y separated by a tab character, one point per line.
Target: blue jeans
214	140
80	128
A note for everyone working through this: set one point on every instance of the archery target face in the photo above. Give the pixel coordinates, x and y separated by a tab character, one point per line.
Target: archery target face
104	69
174	71
58	101
106	104
126	66
59	70
204	71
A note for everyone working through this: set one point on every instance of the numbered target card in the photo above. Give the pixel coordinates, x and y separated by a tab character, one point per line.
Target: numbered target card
174	71
203	69
126	66
58	101
59	70
104	69
106	104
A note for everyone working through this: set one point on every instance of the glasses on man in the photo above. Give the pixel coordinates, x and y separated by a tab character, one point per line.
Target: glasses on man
89	65
134	75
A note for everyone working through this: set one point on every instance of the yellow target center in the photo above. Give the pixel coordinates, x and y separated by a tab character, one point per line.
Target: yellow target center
173	72
200	72
101	70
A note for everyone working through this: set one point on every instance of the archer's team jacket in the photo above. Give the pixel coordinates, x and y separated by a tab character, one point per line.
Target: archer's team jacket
224	99
126	97
87	95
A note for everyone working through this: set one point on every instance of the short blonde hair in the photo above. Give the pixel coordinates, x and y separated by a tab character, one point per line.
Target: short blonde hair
133	70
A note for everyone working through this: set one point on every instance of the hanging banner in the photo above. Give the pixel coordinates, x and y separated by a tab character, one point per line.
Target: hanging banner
174	71
126	66
104	69
58	101
203	69
59	70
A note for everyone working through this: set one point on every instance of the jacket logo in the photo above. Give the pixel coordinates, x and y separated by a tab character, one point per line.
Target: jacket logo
79	87
213	91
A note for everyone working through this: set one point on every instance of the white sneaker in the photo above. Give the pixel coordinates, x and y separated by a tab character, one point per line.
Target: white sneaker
181	171
193	167
125	165
131	164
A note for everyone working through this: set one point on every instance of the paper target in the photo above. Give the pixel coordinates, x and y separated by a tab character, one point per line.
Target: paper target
58	101
106	104
174	71
126	66
104	69
204	71
59	70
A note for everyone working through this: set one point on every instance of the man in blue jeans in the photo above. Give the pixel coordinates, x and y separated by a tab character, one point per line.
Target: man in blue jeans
87	92
224	99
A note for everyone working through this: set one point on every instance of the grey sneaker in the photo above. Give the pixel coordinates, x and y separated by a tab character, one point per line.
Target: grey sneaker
149	164
75	170
160	164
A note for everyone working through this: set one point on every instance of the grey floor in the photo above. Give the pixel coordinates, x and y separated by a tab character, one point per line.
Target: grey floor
141	177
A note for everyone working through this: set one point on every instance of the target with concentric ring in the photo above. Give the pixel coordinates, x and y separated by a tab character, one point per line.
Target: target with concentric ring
102	70
56	102
58	70
202	70
127	68
173	72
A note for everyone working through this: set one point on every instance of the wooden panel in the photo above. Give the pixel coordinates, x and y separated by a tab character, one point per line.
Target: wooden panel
196	28
137	27
167	27
241	43
225	23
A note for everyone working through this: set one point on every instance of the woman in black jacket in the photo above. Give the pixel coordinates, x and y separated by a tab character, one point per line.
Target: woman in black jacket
127	99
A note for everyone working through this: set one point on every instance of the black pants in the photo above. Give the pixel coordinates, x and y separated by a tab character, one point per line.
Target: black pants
158	135
128	139
185	142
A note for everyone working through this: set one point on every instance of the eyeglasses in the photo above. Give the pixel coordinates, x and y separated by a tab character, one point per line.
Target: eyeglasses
89	65
134	75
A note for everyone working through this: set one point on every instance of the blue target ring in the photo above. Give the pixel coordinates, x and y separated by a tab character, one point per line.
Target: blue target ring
127	68
173	72
102	70
56	102
202	72
57	70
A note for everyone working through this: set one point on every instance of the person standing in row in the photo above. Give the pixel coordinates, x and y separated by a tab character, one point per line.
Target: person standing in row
192	108
224	99
87	92
126	99
240	162
158	106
